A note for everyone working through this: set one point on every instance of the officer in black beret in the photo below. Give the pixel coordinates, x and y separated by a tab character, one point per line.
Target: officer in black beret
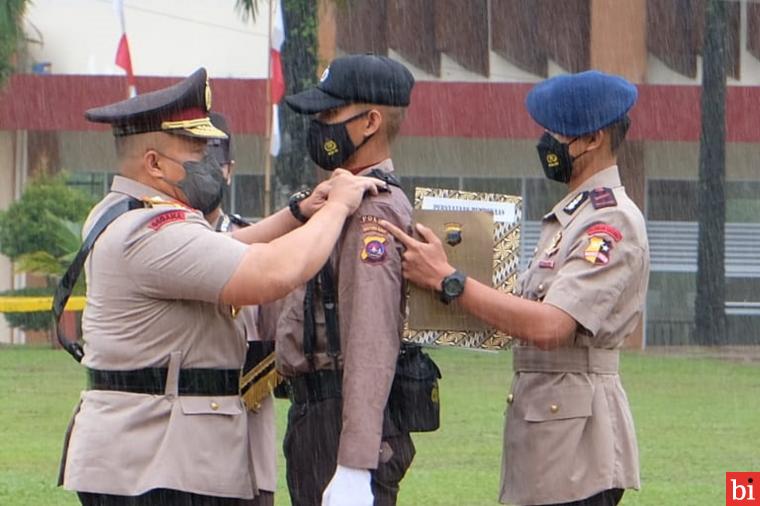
569	437
162	421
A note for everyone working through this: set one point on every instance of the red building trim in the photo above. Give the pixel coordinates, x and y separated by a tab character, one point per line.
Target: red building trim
58	102
439	109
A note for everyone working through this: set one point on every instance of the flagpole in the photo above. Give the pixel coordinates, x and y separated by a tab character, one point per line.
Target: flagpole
268	139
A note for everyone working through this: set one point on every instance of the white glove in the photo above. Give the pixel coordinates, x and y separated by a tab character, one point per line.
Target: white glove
349	487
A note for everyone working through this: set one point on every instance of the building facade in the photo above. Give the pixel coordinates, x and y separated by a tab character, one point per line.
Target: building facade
467	127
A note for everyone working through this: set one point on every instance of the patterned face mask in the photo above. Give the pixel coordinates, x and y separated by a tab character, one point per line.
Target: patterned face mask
329	144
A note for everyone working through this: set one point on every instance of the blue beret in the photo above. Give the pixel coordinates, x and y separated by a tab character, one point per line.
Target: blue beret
579	104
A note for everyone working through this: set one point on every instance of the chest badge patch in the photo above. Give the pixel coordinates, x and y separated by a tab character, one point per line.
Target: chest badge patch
598	251
546	264
554	245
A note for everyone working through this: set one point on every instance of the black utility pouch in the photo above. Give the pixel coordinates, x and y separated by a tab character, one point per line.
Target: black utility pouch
414	403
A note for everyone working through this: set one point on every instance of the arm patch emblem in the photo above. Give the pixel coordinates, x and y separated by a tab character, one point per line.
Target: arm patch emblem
603	228
374	240
598	251
168	217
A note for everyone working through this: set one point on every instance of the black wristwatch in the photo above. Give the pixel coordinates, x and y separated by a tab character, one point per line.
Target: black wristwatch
294	203
452	286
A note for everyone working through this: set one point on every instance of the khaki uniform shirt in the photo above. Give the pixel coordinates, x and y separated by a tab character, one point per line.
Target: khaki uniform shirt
261	423
371	313
153	283
569	431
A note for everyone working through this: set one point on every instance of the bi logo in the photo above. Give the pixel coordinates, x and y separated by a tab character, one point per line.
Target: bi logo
742	489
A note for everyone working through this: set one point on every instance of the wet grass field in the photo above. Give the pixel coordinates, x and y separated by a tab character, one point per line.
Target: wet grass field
696	418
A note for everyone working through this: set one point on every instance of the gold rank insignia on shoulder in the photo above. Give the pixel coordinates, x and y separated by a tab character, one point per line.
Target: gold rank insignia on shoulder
157	201
554	246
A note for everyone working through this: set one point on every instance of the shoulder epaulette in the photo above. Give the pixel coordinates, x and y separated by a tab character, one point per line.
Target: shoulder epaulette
162	202
390	179
602	197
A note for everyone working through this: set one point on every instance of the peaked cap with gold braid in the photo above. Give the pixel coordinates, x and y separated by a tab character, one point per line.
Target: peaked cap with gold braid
181	109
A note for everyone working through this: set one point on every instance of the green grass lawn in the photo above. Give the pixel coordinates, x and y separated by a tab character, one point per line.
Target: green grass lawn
695	419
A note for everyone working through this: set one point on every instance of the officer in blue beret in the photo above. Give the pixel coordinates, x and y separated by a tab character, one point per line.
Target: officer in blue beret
569	436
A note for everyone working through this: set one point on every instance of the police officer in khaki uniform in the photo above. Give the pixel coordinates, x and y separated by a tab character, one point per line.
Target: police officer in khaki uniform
341	447
252	319
569	436
162	420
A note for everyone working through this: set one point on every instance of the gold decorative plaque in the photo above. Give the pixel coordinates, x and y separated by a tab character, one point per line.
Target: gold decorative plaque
507	216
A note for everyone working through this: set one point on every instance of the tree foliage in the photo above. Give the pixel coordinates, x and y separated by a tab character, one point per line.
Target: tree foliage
293	167
11	34
33	223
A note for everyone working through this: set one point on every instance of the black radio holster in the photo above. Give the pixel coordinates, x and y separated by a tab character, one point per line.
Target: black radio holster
414	403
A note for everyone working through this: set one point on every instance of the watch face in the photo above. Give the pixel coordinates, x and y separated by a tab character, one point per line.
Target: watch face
453	286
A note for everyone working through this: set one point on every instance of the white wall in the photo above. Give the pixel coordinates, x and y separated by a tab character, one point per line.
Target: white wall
7	164
167	37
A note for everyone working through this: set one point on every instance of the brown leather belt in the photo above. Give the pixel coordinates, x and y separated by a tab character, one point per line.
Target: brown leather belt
574	360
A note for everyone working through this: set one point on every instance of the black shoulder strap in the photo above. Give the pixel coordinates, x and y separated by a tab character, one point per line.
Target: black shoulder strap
69	279
239	221
388	177
326	281
330	305
309	323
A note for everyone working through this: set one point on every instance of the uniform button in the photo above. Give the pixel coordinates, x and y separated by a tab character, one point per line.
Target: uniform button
554	408
541	286
214	405
510	399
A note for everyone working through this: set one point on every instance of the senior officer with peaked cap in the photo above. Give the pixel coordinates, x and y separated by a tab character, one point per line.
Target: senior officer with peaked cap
162	420
569	436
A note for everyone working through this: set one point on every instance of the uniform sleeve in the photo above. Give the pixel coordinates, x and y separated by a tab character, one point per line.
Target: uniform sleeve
604	258
183	260
370	291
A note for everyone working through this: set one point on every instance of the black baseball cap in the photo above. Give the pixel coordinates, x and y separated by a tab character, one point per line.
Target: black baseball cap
180	109
356	78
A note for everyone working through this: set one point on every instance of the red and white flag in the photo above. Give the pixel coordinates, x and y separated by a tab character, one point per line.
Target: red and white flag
123	58
276	77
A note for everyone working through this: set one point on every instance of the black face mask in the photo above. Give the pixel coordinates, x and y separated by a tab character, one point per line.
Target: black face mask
203	184
555	157
329	144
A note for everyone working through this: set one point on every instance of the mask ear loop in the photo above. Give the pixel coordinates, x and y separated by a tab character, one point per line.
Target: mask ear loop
574	158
